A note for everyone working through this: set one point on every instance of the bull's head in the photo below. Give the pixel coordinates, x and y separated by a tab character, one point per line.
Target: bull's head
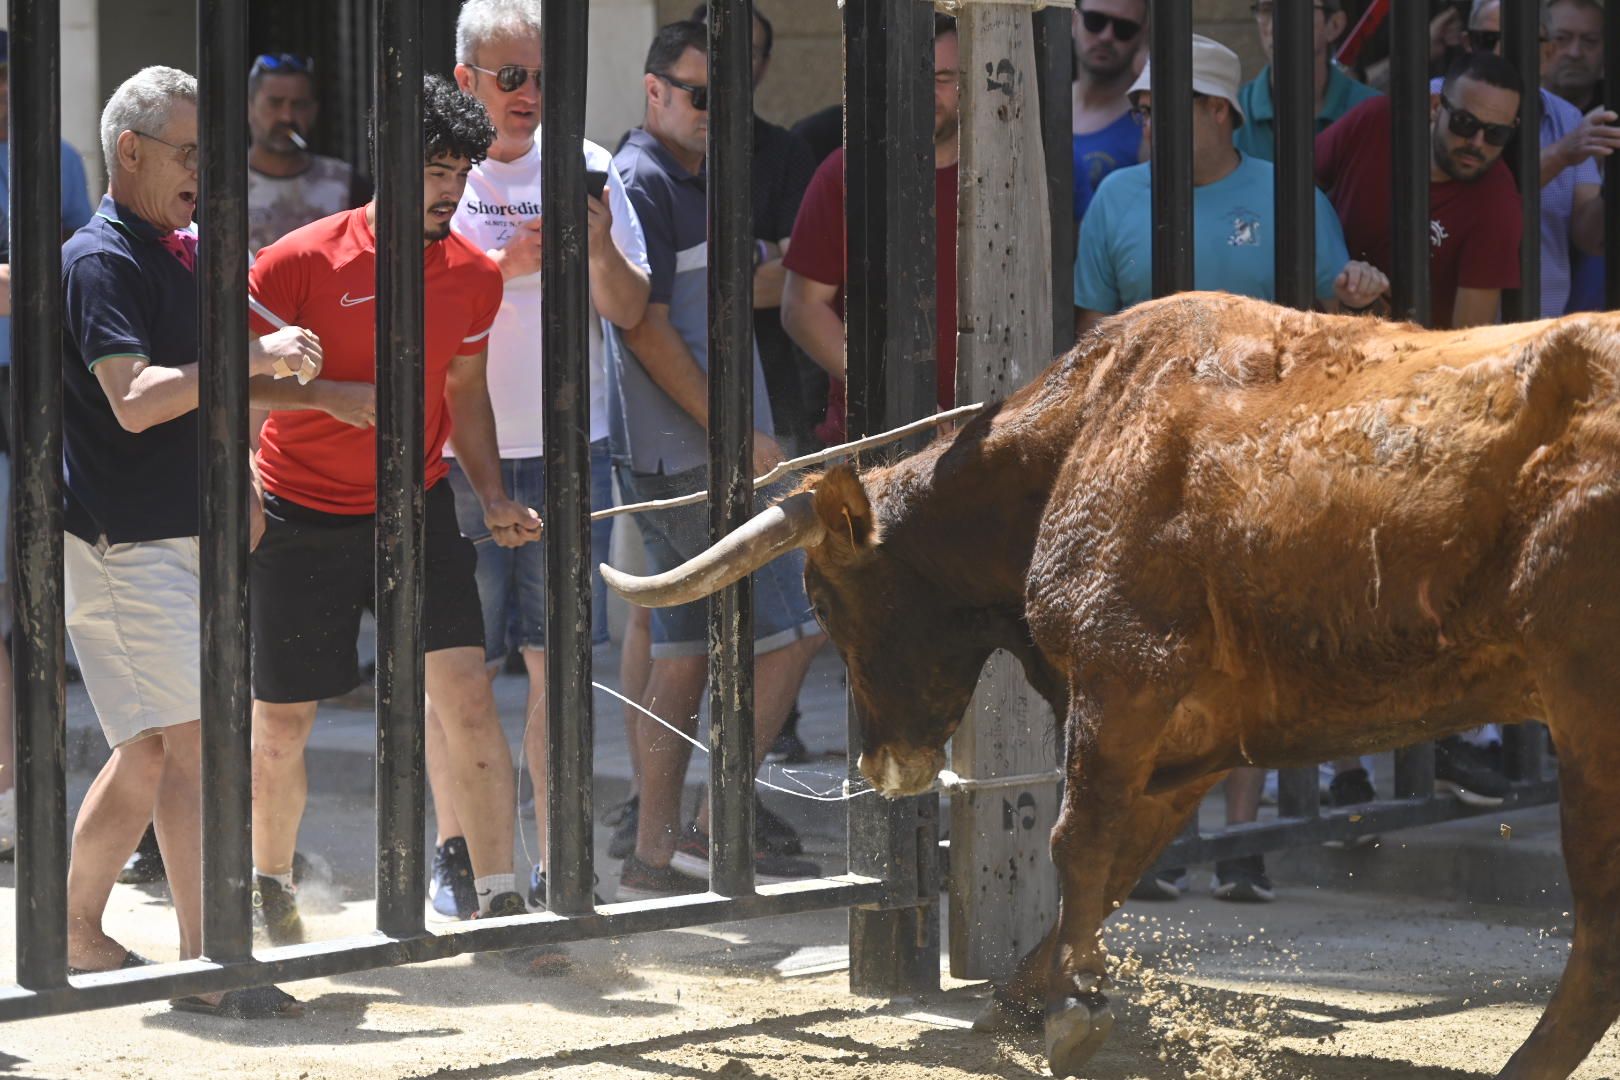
913	647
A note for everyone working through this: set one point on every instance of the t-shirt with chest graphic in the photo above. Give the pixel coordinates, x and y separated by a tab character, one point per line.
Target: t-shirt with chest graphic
323	277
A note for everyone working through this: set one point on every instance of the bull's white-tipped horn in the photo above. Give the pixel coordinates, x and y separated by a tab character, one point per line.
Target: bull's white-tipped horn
790	524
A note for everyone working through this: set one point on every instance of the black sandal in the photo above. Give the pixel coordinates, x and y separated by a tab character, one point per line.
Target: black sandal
254	1003
132	959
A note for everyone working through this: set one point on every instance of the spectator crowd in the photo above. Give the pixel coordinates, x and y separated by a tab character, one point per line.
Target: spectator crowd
131	353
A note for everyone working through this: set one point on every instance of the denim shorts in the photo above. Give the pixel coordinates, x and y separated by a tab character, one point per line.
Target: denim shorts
512	581
671	537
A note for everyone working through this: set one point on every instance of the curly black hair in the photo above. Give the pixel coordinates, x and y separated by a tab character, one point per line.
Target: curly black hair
454	123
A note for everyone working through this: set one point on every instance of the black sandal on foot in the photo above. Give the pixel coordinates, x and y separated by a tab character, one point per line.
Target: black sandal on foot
255	1003
132	959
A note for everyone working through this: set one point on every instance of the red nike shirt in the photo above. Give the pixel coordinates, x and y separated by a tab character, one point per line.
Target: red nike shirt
323	277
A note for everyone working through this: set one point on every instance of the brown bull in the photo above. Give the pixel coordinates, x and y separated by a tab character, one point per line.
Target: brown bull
1223	533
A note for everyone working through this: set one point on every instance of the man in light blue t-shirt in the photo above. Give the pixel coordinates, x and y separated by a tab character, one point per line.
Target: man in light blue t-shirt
1233	214
1234	237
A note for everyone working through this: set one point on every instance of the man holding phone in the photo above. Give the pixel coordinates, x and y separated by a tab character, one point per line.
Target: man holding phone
498	47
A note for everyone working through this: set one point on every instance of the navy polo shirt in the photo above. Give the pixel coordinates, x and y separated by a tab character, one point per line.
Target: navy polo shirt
125	294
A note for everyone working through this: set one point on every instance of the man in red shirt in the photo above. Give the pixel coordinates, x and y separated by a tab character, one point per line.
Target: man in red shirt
1474	225
813	294
312	575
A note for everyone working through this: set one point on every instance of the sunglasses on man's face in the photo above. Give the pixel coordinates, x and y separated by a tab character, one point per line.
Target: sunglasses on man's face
700	94
1096	22
1465	125
511	77
284	64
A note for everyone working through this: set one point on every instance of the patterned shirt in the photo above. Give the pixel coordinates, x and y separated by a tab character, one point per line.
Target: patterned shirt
279	204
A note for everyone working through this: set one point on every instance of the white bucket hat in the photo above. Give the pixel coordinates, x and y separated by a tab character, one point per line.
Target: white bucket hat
1216	71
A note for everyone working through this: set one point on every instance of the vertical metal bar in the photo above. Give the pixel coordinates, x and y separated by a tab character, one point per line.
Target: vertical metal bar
1409	93
1414	772
1524	748
1054	62
1294	69
1298	790
890	335
36	490
565	292
1172	149
1521	45
731	426
1611	177
222	312
400	683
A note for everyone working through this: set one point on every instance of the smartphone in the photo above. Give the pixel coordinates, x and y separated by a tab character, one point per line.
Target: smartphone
595	183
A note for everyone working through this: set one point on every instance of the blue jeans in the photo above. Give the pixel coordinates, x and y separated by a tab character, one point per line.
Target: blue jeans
671	537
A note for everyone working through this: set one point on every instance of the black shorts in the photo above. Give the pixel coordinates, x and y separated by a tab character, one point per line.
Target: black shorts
313	575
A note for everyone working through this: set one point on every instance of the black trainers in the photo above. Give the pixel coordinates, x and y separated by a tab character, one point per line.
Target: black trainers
451	890
1161	885
692	858
1464	771
275	910
638	881
1351	787
1243	880
145	865
537	890
623	842
506	903
774	835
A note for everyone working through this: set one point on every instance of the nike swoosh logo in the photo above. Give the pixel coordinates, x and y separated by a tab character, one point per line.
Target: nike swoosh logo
355	301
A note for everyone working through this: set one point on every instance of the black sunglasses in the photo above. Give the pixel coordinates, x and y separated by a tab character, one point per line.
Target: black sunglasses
284	62
1095	22
511	76
1465	125
700	94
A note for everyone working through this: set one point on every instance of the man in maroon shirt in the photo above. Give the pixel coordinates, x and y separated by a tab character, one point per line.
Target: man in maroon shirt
813	294
1474	219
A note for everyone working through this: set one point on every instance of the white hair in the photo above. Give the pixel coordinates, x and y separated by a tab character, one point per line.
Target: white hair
143	102
484	21
1479	6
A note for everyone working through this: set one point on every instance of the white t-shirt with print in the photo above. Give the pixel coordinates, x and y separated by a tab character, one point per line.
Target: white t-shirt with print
500	196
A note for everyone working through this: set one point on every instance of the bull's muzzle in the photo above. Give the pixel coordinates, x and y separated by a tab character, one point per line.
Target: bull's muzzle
897	773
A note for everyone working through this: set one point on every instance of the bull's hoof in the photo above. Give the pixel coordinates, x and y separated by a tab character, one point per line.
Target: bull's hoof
1076	1028
1004	1016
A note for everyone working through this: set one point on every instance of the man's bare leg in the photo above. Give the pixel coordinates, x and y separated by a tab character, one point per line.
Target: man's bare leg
635	668
674	690
178	818
110	823
777	677
280	785
536	747
1243	788
480	761
440	782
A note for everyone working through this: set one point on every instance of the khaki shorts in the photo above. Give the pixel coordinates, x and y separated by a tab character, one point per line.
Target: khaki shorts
132	613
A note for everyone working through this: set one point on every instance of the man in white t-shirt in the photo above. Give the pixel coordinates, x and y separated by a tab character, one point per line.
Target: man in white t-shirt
498	47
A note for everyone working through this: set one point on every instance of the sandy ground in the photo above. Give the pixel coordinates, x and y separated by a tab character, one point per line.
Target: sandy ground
1318	985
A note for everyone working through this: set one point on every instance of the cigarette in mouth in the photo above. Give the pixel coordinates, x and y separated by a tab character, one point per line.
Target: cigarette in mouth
297	139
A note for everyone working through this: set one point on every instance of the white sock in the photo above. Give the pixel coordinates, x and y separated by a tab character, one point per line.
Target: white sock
488	888
284	880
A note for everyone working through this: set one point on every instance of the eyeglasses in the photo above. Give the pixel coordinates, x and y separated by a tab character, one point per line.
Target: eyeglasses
283	63
1465	125
188	153
700	94
1143	113
1266	10
511	76
1096	22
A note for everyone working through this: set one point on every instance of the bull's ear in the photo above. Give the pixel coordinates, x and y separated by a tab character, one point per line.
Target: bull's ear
845	511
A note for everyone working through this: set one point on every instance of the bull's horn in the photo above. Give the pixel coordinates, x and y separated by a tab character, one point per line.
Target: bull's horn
790	524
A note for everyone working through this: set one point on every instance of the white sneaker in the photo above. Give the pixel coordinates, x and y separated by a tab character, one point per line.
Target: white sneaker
8	822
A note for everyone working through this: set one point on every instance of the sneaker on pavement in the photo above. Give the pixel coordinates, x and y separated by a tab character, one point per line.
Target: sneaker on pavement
1243	880
623	842
1161	885
451	890
537	890
145	865
506	903
1351	788
638	881
275	909
1463	770
692	858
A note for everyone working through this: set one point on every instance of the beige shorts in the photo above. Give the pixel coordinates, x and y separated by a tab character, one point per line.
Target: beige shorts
132	613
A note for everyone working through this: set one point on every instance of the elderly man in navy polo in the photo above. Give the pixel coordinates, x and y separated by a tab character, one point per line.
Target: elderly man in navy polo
129	432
